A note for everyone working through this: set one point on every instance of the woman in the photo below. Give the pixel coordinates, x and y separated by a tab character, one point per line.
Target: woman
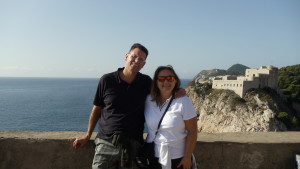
176	138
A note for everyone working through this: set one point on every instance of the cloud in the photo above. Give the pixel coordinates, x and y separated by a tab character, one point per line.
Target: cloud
16	68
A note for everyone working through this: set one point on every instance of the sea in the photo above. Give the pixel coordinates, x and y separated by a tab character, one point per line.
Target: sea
48	104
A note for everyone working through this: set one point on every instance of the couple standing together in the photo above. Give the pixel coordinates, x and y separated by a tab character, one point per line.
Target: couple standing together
125	100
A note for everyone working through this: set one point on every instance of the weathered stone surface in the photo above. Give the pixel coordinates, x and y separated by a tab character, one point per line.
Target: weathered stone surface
223	113
43	150
248	150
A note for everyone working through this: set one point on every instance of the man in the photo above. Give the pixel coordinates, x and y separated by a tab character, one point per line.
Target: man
119	107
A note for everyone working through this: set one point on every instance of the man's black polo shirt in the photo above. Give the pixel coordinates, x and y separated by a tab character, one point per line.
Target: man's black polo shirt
122	104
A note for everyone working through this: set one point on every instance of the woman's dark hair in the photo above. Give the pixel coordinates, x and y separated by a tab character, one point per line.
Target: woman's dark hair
155	93
139	46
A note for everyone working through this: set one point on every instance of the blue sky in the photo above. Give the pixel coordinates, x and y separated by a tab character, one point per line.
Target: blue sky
76	38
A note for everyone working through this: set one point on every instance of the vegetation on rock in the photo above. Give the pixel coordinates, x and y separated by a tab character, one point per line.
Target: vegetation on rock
289	81
237	69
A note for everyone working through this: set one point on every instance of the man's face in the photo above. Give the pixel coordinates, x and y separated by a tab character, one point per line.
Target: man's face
135	60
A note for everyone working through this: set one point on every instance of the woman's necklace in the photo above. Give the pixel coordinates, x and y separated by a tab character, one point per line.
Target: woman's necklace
162	103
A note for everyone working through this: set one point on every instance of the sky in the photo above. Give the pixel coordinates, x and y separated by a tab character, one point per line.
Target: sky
88	38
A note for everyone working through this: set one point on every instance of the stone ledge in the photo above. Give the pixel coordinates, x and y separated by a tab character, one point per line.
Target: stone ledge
55	135
251	137
238	137
53	150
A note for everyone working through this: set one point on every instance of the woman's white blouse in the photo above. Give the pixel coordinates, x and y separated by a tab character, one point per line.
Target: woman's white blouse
171	137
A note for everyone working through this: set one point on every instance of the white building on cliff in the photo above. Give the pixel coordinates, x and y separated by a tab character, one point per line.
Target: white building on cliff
266	76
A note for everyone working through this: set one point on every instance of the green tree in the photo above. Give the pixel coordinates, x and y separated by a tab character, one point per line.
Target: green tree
289	80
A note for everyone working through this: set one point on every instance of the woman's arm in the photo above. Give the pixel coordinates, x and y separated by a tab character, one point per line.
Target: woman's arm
191	139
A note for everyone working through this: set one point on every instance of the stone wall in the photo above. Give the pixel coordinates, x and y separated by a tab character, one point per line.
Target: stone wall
266	76
53	150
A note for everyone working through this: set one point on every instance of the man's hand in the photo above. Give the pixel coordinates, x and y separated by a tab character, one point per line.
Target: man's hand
94	117
180	93
80	142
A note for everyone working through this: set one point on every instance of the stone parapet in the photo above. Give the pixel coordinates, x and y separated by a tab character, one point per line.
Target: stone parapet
53	150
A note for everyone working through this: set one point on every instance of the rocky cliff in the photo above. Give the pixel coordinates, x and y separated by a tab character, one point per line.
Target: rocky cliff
205	75
224	111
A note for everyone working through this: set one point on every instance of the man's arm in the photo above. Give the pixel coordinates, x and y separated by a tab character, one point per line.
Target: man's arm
180	93
94	117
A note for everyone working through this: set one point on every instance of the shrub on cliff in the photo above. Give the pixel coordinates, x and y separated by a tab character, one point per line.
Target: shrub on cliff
289	81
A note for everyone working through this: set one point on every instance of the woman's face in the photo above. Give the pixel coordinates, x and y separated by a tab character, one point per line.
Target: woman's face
166	81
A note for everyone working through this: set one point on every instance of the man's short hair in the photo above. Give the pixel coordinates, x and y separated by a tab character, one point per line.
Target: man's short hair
139	46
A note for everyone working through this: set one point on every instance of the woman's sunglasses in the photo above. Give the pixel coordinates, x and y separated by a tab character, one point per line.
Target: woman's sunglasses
168	78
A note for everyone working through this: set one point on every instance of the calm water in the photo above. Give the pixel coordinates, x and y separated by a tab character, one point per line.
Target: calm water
47	104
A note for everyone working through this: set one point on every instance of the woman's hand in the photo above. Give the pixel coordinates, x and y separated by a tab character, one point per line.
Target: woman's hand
186	162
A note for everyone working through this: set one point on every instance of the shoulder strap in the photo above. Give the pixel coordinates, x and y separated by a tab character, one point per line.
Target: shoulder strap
163	115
